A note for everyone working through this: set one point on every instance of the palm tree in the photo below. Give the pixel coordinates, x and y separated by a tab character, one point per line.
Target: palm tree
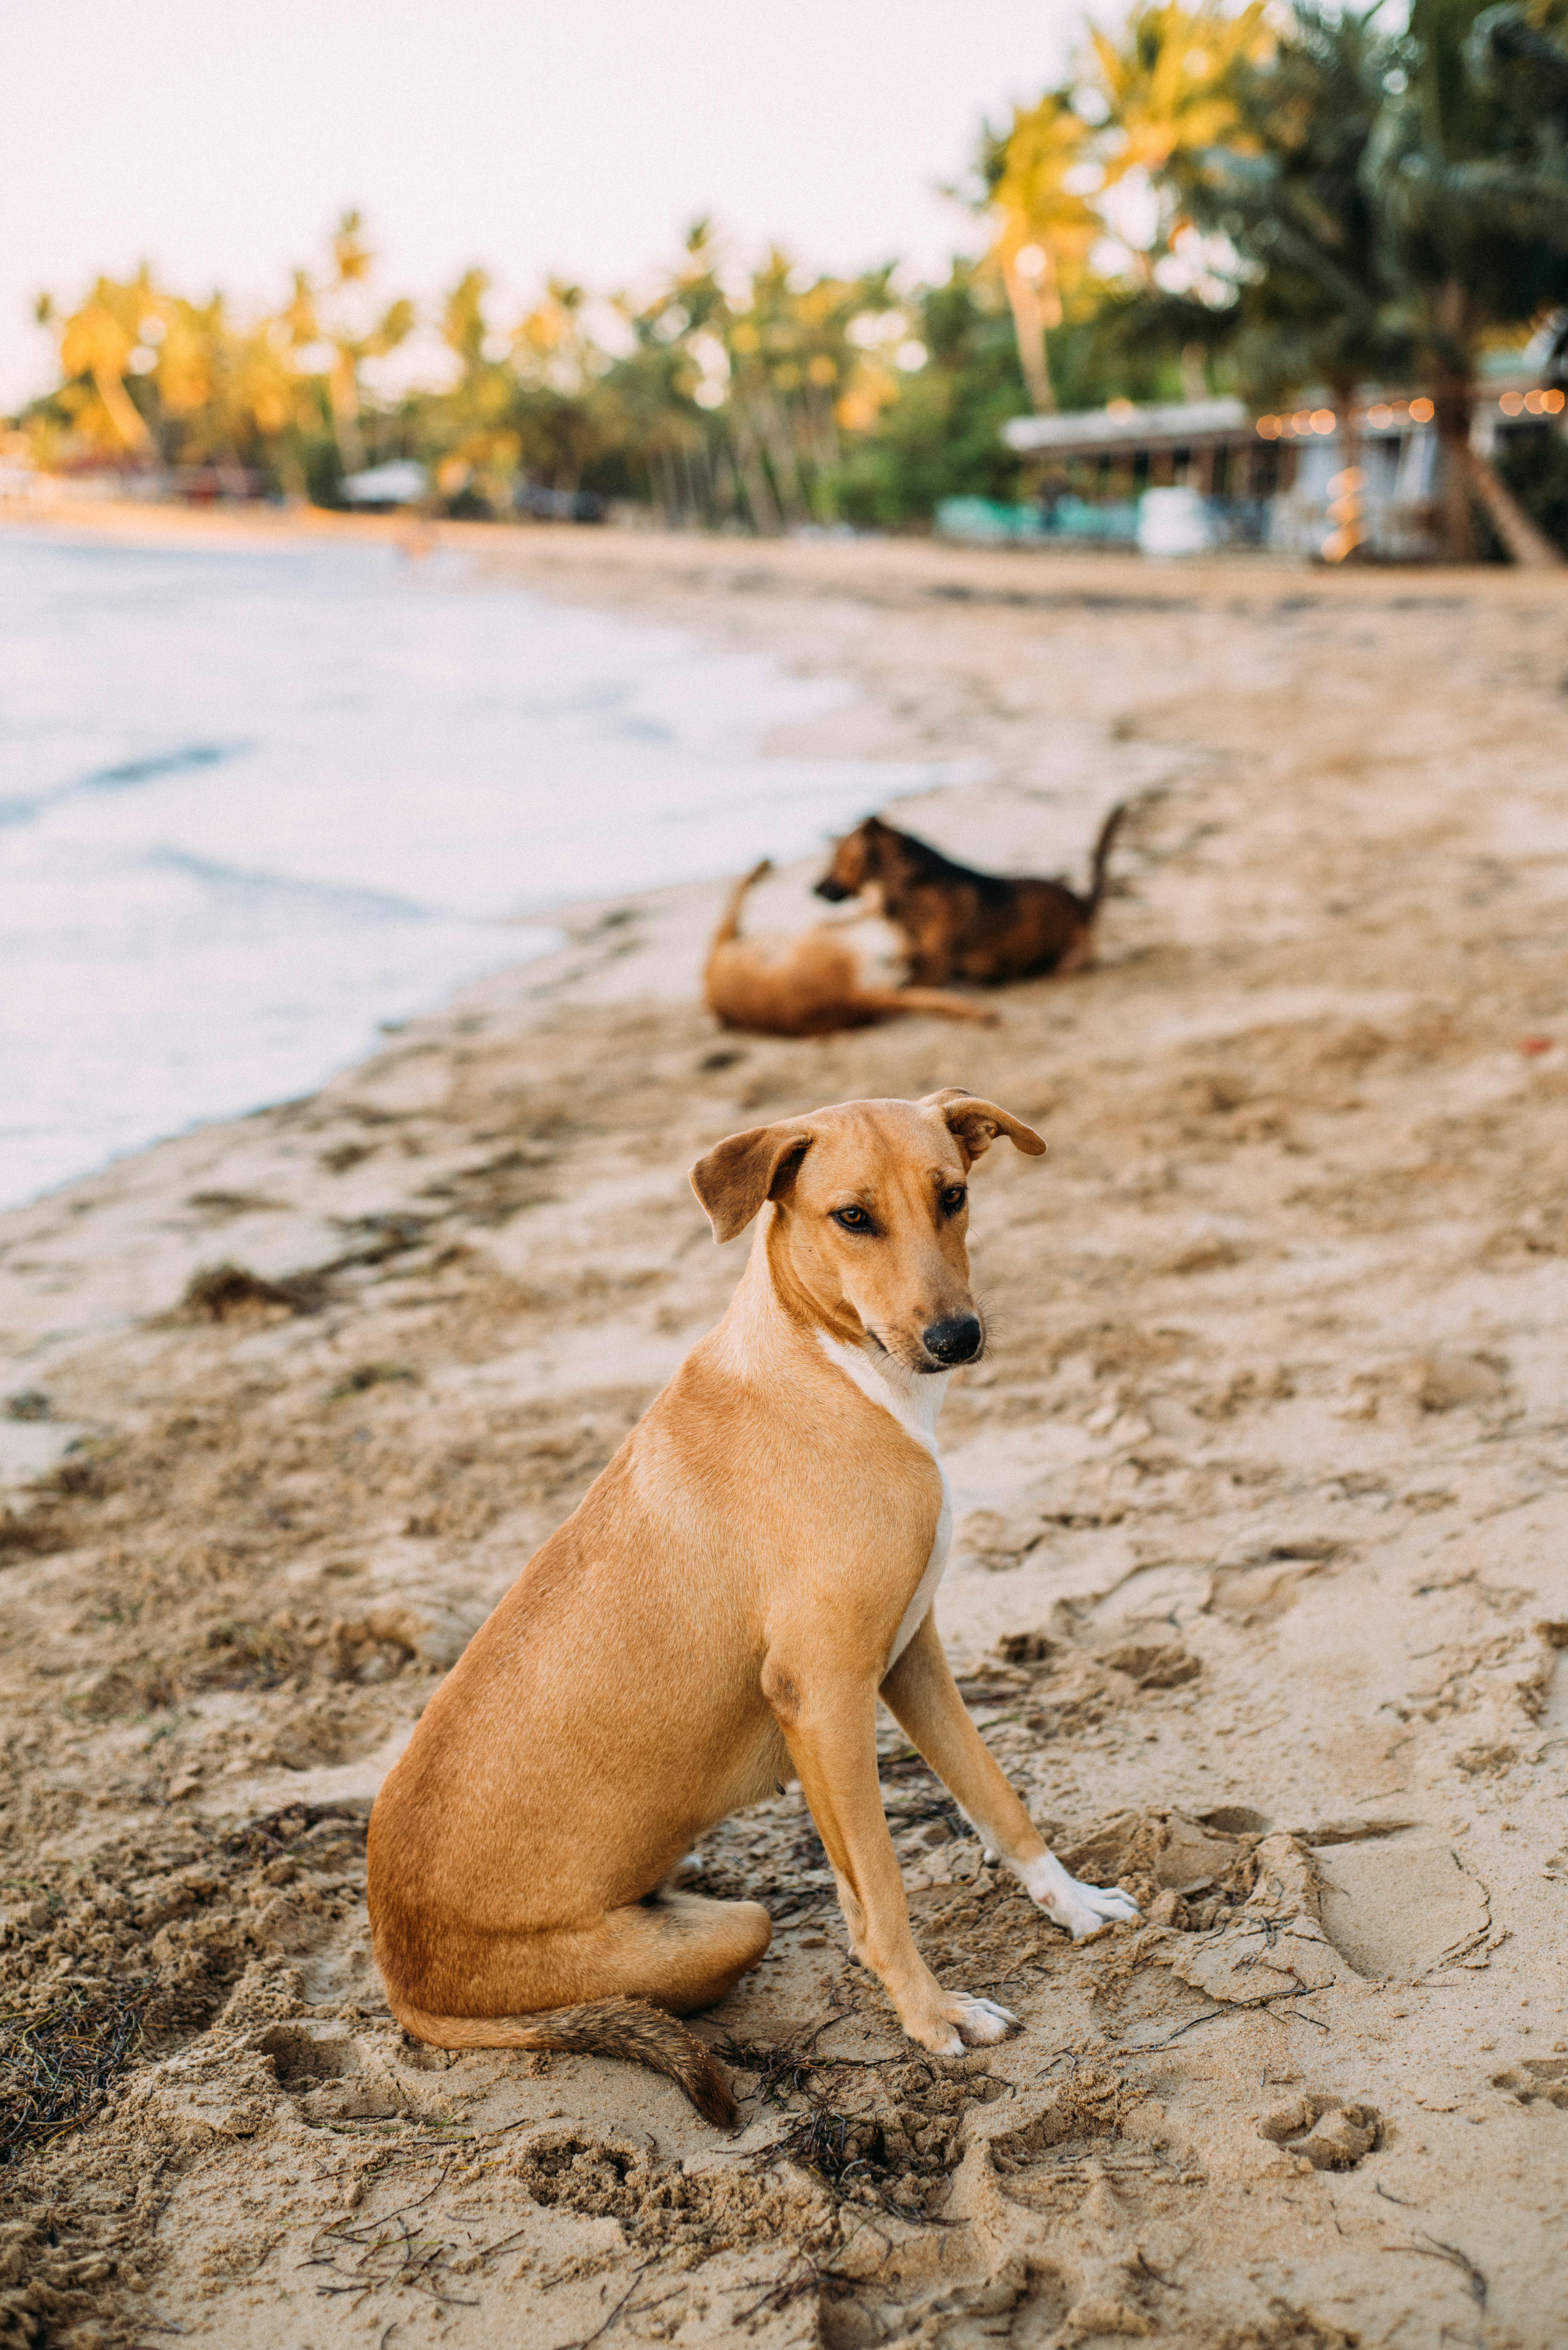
1165	90
558	400
268	394
1310	300
475	425
97	342
1046	227
1170	84
1466	170
340	326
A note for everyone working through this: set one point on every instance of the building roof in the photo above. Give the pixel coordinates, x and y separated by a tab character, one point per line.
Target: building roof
1127	425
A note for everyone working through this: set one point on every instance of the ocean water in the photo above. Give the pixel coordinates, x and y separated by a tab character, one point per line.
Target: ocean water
255	802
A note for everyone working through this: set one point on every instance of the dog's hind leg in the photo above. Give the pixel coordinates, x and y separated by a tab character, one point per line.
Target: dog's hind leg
903	1002
610	1989
923	1696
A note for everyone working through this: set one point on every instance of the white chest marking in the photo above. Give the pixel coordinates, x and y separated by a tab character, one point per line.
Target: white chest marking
913	1399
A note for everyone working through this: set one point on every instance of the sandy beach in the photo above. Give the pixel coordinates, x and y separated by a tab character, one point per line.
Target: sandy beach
1260	1586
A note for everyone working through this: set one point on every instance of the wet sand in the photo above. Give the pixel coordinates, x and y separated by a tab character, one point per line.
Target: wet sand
1259	1584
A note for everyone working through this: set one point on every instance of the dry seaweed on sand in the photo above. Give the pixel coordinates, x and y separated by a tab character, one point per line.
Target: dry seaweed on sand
366	2256
896	2152
280	1833
224	1293
780	2072
57	2067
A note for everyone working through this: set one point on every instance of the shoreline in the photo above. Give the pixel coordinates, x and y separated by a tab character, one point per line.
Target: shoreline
1257	1586
563	908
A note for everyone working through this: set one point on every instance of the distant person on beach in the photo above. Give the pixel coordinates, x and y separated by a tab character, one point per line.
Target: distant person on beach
418	538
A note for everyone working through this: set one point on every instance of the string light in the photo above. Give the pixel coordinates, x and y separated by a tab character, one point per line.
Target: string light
1552	402
1421	412
1380	416
1269	427
1511	402
1322	419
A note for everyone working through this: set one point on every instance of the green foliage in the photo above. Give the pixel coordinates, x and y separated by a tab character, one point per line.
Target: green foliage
1466	173
942	437
1311	298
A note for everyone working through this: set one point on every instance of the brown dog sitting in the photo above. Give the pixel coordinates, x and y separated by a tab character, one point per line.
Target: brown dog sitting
722	1612
962	924
810	982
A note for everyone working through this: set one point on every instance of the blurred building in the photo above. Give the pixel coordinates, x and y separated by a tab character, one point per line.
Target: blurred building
1186	477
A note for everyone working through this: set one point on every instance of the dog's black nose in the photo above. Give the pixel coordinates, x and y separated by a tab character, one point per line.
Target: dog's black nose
957	1340
834	891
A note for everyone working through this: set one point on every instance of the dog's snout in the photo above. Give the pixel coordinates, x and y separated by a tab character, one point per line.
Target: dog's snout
958	1339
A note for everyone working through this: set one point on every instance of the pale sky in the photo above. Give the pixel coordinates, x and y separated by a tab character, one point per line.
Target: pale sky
220	139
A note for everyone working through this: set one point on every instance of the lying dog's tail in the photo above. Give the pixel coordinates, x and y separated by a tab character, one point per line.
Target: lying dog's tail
730	919
628	2028
1102	855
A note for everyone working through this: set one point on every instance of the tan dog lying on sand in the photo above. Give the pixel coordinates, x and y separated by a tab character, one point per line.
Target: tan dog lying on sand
812	982
721	1613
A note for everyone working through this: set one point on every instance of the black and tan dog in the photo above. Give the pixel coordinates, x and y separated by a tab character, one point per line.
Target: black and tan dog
961	924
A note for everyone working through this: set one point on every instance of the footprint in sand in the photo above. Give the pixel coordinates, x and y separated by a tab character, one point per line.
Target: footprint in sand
1332	2135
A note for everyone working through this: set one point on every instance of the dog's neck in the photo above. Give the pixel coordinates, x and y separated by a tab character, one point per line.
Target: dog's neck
914	1397
759	1319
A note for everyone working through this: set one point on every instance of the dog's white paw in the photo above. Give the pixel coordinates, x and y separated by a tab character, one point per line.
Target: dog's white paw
963	2022
982	2021
1082	1910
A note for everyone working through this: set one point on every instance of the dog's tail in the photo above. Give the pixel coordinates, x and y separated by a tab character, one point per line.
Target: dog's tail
1102	855
628	2028
730	919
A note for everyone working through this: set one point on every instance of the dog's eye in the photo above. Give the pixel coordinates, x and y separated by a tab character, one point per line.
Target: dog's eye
953	1199
853	1220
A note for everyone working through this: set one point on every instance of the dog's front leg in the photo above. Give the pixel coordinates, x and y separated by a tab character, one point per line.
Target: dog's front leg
831	1733
924	1699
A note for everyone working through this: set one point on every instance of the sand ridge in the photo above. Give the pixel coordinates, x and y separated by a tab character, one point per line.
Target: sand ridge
1259	1587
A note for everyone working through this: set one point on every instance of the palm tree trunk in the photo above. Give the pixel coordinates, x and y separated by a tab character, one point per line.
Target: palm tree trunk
1029	318
1451	401
727	489
668	489
1353	446
291	473
1527	545
748	469
1467	476
776	437
830	448
126	417
344	391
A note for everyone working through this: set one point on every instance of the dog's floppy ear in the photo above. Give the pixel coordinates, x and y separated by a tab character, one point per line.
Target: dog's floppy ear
974	1125
739	1174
